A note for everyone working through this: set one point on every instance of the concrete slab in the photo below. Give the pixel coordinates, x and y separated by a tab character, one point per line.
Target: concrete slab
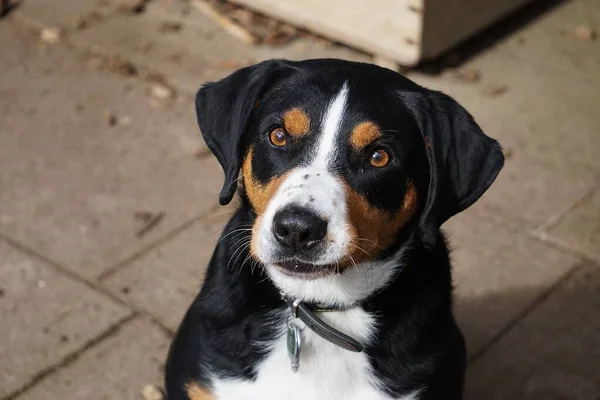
498	273
200	51
543	114
532	192
165	281
553	354
83	151
117	368
580	227
551	41
45	316
63	13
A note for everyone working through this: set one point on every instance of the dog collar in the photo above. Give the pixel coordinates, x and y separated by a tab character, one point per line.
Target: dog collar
306	314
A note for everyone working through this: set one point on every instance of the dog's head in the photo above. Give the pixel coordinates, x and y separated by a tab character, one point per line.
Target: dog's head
341	163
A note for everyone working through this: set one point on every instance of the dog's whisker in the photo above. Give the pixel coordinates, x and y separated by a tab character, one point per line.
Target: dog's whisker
361	249
238	249
239	230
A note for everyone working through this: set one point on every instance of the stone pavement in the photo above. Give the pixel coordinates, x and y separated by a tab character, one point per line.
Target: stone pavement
89	300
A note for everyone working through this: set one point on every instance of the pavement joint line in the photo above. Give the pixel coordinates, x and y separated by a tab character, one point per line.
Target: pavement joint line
63	270
151	246
71	357
558	244
95	286
527	310
555	219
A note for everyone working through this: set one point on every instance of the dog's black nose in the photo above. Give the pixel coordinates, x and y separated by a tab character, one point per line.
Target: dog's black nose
298	229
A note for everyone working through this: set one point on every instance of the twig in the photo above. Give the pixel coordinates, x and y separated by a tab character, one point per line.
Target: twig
227	23
151	223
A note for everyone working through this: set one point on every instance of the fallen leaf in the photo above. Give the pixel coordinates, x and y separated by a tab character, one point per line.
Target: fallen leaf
468	75
117	65
124	121
585	32
161	91
170	27
143	215
133	6
495	90
151	392
50	35
111	118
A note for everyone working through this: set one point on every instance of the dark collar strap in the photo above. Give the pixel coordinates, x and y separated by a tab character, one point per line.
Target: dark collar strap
306	315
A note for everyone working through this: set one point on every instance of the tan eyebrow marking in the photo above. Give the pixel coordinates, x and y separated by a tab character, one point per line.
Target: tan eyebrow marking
296	122
363	134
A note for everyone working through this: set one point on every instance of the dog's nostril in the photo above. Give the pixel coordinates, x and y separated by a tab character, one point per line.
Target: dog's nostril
281	230
298	229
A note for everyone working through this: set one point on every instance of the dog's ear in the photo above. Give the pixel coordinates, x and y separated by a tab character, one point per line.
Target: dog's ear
223	110
463	161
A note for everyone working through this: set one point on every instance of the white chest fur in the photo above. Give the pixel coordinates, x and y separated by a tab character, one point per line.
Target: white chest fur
327	372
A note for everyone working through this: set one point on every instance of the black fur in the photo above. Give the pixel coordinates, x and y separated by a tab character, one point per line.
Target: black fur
433	142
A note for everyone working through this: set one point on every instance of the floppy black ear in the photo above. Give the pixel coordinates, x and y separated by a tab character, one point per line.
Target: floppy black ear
463	161
223	111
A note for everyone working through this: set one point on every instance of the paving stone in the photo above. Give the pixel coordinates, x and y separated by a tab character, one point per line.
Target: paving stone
498	272
532	192
545	114
117	368
551	41
580	227
554	353
45	317
83	151
165	281
63	13
200	51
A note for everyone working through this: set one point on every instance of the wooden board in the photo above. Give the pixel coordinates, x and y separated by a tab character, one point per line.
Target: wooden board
405	31
389	29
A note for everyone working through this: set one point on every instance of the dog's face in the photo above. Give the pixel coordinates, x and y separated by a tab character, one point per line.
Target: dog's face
341	162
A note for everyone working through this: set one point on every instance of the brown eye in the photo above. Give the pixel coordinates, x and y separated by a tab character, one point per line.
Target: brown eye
278	137
379	158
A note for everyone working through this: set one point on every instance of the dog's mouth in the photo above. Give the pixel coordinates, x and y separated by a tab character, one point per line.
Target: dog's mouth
305	270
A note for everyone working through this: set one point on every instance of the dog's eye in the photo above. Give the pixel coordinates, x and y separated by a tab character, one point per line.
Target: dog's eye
278	137
379	158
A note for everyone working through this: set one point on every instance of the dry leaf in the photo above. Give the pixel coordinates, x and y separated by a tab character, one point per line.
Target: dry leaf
585	32
50	35
111	118
151	392
133	6
170	27
468	75
161	91
495	90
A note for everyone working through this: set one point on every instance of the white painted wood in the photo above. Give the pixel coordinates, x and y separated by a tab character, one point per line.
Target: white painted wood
405	31
384	27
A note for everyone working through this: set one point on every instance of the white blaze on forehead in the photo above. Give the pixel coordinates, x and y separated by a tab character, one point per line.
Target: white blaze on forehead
331	128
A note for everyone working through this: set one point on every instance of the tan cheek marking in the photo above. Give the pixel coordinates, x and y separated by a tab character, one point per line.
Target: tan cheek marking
196	392
296	122
372	229
258	193
363	134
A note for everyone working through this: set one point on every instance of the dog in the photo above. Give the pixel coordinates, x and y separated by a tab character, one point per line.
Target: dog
332	279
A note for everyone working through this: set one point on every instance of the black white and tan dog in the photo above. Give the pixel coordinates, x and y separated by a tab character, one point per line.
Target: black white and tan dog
332	279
